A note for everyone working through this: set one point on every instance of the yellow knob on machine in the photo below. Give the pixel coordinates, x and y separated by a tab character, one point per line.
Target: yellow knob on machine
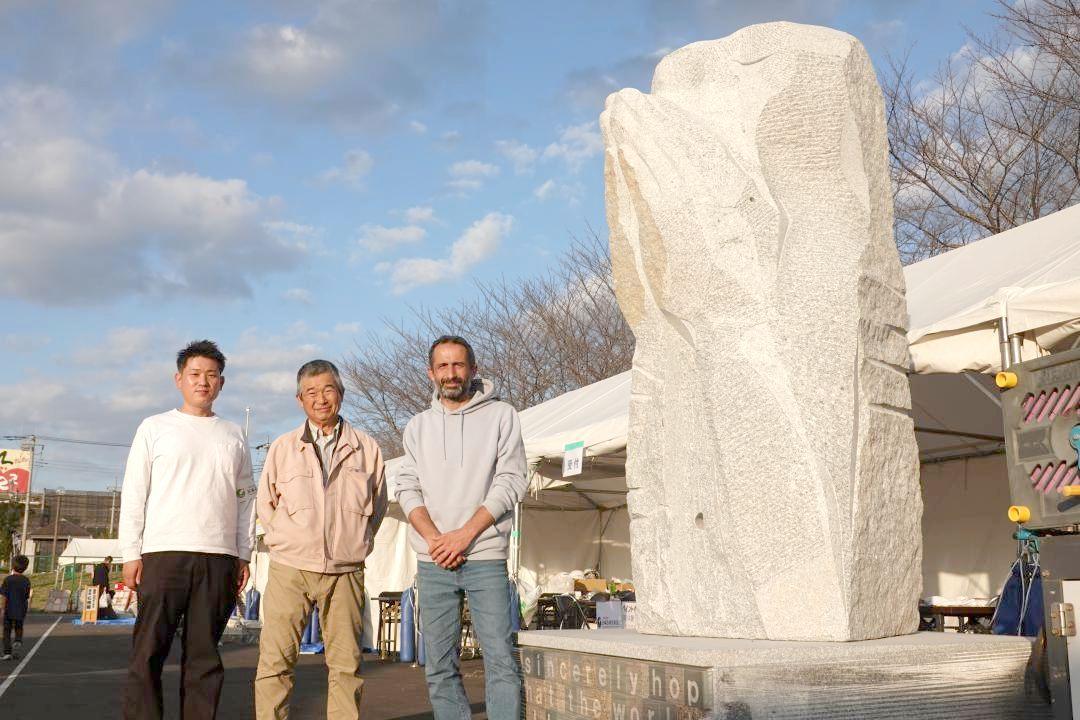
1071	490
1019	514
1006	380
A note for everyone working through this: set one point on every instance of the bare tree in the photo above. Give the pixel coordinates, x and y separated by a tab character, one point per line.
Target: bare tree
535	339
994	141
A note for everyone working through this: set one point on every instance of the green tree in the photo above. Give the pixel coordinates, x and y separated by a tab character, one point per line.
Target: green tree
10	521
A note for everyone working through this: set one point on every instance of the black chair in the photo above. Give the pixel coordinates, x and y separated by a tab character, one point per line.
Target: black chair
569	613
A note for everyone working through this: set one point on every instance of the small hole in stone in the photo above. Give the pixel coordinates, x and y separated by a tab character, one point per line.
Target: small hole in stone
751	199
699	521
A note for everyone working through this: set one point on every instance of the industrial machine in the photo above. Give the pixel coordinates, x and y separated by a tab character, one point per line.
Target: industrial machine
1041	409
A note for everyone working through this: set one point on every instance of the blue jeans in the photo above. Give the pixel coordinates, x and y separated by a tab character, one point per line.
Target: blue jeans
488	588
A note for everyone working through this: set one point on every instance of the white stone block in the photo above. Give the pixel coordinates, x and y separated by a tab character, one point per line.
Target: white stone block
772	464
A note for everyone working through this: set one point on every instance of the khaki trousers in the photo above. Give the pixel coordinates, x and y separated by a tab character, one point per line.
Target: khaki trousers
286	607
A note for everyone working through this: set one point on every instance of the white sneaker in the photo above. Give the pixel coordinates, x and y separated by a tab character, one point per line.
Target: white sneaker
5	656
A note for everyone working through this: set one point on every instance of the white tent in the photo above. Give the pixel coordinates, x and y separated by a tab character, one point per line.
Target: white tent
89	550
1030	274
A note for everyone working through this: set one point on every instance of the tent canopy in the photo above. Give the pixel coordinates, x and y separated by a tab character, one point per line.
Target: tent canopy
89	549
1031	272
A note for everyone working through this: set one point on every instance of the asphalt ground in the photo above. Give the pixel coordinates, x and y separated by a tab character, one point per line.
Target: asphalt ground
79	672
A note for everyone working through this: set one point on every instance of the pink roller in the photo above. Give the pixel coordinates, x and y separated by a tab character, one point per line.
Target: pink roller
1044	477
1070	477
1073	400
1063	399
1037	407
1056	481
1051	402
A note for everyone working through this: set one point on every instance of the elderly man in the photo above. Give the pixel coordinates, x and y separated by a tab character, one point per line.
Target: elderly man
462	474
321	499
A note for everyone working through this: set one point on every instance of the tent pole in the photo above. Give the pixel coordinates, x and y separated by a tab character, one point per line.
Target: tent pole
1003	337
1015	346
515	535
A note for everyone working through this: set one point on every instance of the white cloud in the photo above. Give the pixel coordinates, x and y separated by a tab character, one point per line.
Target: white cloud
464	186
351	328
420	214
521	155
479	242
378	238
81	228
575	145
299	295
543	191
473	168
285	59
449	139
417	127
355	166
467	176
569	192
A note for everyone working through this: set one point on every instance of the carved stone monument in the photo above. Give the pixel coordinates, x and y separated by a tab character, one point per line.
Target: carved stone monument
772	465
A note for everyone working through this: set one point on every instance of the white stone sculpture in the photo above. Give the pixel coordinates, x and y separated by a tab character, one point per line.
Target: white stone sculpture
772	465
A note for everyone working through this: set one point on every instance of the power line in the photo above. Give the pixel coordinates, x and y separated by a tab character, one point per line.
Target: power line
51	438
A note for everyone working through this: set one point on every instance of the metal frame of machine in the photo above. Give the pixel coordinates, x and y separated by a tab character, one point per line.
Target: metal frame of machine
1041	412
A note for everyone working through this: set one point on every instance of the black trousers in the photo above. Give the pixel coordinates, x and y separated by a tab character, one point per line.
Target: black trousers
12	625
201	589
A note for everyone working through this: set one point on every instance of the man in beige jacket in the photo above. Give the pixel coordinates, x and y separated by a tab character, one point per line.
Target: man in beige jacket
321	499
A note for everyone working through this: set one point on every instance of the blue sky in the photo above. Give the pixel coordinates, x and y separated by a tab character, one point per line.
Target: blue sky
281	175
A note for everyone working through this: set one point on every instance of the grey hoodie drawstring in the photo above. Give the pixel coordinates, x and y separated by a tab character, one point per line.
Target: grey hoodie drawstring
461	444
443	434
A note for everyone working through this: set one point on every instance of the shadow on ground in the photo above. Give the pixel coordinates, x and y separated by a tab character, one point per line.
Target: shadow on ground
81	670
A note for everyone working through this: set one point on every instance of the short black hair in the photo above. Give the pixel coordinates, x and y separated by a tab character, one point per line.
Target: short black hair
200	348
108	558
454	340
19	563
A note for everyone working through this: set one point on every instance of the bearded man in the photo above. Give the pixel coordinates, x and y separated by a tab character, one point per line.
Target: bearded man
462	474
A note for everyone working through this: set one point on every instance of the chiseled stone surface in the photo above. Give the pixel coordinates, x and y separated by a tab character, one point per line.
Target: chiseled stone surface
772	464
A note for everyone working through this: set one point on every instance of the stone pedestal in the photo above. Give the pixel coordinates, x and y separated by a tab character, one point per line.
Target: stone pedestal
624	675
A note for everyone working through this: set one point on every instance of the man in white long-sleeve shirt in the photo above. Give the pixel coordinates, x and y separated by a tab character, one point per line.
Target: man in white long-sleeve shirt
187	526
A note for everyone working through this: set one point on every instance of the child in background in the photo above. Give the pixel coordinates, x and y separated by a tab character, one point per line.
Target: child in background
15	592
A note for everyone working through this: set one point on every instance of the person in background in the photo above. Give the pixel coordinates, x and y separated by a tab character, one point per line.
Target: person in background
187	527
101	576
462	474
322	497
15	591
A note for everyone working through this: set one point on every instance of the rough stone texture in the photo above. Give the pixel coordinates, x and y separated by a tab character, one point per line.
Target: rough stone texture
924	675
772	465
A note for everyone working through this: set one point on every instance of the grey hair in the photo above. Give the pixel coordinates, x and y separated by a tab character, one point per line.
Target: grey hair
318	367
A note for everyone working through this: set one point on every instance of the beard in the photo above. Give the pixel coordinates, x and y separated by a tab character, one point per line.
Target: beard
454	392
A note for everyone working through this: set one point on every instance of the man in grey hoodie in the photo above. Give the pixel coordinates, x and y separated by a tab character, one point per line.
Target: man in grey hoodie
462	474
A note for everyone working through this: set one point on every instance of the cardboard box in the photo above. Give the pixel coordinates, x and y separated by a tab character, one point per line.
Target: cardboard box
591	585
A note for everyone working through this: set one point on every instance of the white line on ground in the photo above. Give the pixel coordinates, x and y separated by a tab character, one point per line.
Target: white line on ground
15	673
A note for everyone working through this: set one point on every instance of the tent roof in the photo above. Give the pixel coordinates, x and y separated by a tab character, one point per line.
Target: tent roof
90	549
955	299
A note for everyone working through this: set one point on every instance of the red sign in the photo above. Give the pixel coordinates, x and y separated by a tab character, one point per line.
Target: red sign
15	480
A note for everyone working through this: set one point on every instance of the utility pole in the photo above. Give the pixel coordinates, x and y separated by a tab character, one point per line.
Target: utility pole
112	510
32	442
247	422
56	526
